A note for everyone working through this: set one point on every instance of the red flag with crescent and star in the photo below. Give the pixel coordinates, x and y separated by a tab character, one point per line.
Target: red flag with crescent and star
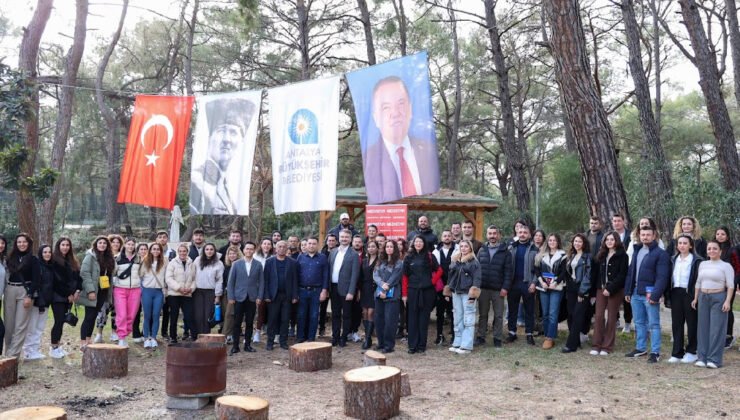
154	153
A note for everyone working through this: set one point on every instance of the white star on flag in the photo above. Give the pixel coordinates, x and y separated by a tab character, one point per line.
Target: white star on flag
151	159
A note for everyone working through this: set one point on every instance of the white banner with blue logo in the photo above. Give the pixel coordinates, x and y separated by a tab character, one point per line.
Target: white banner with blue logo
304	136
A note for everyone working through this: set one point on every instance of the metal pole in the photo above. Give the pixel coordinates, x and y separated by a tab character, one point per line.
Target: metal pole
537	202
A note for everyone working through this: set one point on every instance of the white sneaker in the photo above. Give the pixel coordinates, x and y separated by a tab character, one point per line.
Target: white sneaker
700	364
147	343
35	355
277	339
139	340
154	344
711	365
603	353
689	358
57	353
584	338
627	328
256	337
98	338
123	343
462	351
356	337
454	349
114	337
594	352
674	360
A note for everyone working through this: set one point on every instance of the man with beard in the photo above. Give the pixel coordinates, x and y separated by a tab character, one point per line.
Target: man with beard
425	231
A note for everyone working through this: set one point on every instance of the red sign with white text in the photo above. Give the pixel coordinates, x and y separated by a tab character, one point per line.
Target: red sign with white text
390	219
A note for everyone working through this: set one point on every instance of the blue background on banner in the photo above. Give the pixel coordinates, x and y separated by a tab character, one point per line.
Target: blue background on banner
414	71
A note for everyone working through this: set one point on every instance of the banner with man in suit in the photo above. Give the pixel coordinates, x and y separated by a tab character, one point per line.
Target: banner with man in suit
393	106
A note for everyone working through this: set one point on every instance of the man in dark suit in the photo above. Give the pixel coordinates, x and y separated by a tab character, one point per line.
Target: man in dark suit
280	292
344	269
245	288
397	166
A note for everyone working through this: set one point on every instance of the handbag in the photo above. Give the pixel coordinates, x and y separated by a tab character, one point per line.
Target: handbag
71	318
437	281
104	281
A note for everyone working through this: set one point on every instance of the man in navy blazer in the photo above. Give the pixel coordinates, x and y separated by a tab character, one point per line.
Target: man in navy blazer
245	289
344	272
385	161
280	292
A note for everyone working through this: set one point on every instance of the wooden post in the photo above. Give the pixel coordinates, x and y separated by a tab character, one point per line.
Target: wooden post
237	407
372	392
105	361
405	385
479	228
8	371
310	357
324	217
35	413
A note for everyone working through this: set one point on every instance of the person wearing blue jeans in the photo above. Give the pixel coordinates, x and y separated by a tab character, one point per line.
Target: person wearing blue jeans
464	287
151	303
548	265
647	279
313	285
523	253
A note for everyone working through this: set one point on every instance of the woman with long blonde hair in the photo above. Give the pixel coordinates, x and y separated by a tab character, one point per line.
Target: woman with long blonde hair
690	226
153	289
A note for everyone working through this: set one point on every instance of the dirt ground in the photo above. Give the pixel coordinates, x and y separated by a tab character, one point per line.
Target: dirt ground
515	382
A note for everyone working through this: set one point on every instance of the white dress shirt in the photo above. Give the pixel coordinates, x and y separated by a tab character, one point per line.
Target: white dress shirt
408	155
338	263
682	271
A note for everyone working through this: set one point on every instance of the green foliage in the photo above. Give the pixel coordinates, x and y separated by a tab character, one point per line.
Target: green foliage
563	199
16	108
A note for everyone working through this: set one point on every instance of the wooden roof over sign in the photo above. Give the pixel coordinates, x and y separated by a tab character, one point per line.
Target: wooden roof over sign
443	200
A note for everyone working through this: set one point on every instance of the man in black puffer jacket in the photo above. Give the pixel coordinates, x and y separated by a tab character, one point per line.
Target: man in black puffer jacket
497	270
425	231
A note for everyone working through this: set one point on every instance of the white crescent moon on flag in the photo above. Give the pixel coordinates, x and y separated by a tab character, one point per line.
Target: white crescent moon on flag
158	119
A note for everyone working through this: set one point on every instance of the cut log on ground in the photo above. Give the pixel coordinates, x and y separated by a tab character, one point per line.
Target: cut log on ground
105	361
405	385
372	392
211	338
310	357
8	371
35	413
373	358
237	407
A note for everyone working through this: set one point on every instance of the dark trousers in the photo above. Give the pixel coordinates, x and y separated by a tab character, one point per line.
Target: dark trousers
202	309
627	312
2	335
587	316
88	323
520	292
356	315
246	309
403	317
576	318
166	318
278	312
730	317
444	307
419	306
682	313
177	303
341	313
386	322
59	309
322	315
137	324
308	313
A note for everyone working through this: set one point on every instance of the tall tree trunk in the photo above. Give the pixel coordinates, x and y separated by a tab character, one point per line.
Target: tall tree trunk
368	28
659	185
452	164
193	220
515	161
402	25
593	135
657	64
709	80
64	119
734	29
302	13
112	137
27	63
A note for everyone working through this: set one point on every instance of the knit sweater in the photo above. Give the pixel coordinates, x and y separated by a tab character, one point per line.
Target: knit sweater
715	275
210	276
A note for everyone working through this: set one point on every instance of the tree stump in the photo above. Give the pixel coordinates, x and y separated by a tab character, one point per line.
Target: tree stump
310	357
237	407
211	338
8	371
405	385
373	358
372	392
35	413
105	361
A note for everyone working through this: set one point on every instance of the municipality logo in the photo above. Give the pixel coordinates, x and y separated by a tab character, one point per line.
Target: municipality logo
304	127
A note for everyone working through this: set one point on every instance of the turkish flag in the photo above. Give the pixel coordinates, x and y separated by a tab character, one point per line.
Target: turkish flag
156	142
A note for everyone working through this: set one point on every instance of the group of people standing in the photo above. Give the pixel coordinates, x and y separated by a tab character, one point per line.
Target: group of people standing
388	286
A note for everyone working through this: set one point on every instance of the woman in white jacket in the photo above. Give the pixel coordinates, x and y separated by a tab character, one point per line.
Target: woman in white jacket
126	290
153	290
208	277
180	290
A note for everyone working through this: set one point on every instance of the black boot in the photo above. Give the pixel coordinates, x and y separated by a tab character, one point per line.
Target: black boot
368	335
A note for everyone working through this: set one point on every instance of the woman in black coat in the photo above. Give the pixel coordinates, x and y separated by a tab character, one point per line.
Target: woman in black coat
66	280
367	290
610	272
41	301
418	267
